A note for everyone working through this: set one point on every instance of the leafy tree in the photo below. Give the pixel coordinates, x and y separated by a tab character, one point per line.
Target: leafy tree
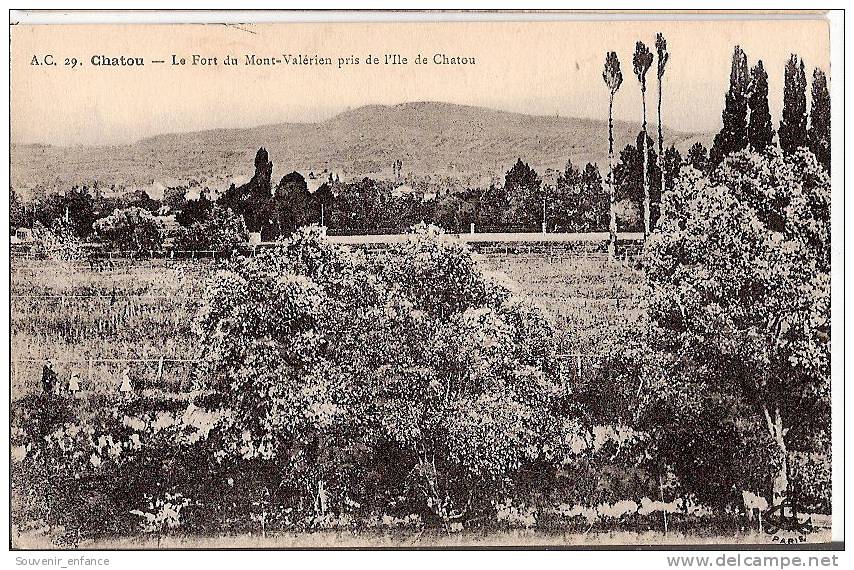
819	129
591	207
613	78
566	201
78	206
219	230
17	212
733	136
760	132
628	178
253	200
524	191
453	212
194	211
642	62
671	166
291	204
738	302
578	201
130	229
493	206
793	125
320	204
698	157
138	199
59	242
175	198
417	369
569	178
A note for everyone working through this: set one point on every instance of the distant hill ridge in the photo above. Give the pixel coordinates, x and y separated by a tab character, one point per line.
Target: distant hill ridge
468	143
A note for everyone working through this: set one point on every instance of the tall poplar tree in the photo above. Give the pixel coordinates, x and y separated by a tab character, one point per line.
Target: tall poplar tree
613	77
819	129
663	57
793	125
642	62
733	135
760	131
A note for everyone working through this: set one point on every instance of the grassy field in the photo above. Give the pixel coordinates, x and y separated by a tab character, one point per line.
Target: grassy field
71	314
585	295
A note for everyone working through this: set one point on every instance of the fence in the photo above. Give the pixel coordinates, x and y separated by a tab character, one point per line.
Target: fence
594	240
104	375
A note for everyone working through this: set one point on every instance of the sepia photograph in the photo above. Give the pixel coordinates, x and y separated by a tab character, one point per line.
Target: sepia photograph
424	280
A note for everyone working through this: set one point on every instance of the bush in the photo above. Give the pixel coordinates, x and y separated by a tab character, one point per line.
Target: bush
58	242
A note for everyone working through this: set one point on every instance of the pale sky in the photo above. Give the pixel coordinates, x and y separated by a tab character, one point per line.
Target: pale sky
542	68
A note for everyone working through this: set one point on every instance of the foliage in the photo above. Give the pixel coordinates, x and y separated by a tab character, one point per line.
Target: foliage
175	198
793	125
642	61
819	129
525	192
17	212
698	157
629	181
418	359
613	77
130	229
811	480
739	293
80	206
733	135
760	132
219	230
57	243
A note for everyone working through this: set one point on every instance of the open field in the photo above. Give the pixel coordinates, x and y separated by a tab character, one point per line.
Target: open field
71	314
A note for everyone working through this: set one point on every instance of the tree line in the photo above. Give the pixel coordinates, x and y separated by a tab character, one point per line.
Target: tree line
746	123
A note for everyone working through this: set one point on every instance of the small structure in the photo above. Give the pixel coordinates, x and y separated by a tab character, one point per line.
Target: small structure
402	190
23	235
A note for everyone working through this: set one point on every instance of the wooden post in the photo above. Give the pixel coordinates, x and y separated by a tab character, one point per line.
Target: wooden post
159	370
91	375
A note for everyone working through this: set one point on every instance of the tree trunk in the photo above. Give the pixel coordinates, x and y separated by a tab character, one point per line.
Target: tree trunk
320	501
778	433
612	193
645	151
660	145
